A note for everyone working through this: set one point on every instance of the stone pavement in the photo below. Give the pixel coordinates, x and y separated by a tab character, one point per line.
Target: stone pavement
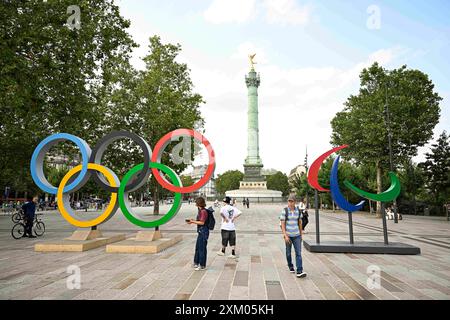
260	271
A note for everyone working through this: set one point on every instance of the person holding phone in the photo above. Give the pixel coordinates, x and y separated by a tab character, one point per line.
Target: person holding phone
291	226
202	234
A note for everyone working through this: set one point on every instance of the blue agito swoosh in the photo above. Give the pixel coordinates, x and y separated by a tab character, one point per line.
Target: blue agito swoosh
336	193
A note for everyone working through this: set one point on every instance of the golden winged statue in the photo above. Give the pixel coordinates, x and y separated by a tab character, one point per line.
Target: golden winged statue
252	63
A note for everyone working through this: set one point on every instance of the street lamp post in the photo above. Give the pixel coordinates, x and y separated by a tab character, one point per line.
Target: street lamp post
391	166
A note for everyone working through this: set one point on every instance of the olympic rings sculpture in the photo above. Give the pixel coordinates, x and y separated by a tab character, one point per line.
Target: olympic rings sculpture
106	179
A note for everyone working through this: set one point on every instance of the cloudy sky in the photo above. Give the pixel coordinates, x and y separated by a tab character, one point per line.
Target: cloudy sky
309	55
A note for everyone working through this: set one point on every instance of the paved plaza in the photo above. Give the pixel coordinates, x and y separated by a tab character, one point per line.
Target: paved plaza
260	271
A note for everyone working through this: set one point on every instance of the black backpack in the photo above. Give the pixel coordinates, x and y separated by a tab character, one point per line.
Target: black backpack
211	221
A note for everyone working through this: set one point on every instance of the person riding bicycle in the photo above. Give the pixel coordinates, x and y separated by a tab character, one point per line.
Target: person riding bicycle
29	210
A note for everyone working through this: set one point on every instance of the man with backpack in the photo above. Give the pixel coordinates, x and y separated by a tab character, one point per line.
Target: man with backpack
229	214
291	226
205	222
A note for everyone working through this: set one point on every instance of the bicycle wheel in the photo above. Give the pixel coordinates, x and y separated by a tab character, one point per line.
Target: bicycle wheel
16	217
18	231
39	228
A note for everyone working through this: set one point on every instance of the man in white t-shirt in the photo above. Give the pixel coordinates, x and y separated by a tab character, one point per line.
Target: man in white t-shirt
229	215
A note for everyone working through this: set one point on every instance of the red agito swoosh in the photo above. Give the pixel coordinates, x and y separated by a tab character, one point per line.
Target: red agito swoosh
313	172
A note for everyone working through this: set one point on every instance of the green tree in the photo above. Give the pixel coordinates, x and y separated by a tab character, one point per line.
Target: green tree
437	170
187	180
229	180
412	180
54	174
52	77
413	113
152	103
278	181
299	184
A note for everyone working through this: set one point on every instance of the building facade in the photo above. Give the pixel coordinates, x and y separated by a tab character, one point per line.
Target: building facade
209	189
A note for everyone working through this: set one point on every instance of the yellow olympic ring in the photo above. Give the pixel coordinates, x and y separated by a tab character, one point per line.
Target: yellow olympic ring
109	209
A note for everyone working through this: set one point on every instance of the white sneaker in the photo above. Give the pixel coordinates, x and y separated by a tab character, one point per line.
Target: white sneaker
233	256
220	253
195	266
200	268
301	274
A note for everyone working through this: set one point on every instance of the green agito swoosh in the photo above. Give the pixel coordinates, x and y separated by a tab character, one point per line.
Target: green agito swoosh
388	195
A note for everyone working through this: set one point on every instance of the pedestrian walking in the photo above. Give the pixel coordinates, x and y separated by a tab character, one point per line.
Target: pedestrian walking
291	226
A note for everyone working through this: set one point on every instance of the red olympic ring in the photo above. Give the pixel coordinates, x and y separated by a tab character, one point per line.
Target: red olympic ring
157	154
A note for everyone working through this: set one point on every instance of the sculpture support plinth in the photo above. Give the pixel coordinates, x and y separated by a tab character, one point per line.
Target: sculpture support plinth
145	242
81	240
360	247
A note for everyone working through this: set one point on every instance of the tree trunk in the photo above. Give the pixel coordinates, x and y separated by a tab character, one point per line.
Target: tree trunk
379	187
156	200
414	190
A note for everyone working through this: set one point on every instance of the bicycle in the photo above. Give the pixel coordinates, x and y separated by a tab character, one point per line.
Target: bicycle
18	230
17	216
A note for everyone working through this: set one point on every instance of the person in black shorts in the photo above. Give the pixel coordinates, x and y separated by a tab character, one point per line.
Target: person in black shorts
229	214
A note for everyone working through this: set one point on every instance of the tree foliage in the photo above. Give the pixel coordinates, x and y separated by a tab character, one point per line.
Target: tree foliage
413	113
229	180
437	170
278	181
299	184
152	103
59	79
187	181
52	77
412	180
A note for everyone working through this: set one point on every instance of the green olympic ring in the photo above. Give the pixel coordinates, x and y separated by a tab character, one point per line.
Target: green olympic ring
123	196
388	195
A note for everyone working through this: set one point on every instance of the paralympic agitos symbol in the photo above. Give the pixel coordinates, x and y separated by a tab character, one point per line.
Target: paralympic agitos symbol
390	194
135	178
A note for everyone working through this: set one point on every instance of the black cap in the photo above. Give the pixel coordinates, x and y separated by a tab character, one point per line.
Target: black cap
227	200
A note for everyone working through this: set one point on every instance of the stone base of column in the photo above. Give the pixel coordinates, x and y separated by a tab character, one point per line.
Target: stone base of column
252	173
255	195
